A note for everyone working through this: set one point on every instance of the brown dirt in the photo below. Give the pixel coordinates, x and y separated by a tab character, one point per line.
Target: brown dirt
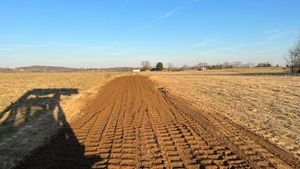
132	124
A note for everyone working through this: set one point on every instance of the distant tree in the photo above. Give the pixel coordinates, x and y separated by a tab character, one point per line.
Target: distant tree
146	65
226	65
170	66
202	64
293	60
159	66
237	64
249	65
184	67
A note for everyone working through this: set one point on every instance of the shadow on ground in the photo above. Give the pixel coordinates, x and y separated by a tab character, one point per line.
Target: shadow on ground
38	115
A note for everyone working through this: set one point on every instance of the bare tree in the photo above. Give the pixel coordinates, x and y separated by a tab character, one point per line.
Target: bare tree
146	65
202	64
227	65
170	66
237	64
293	60
184	67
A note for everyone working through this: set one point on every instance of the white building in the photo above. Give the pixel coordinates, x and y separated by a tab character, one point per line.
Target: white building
136	70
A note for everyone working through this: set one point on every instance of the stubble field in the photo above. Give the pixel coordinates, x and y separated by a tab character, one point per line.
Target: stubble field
266	105
14	85
26	115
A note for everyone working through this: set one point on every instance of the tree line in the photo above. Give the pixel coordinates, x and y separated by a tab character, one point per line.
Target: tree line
292	60
147	66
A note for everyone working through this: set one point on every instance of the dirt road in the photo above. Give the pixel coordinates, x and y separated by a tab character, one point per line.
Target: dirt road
132	124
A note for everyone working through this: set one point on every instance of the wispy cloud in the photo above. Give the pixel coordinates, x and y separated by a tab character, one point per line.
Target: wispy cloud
6	50
115	18
45	44
281	34
162	17
269	36
142	27
122	7
271	31
26	45
57	44
101	46
61	43
199	44
217	51
205	42
274	34
169	14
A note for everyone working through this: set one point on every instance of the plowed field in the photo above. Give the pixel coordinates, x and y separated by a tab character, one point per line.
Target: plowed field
132	124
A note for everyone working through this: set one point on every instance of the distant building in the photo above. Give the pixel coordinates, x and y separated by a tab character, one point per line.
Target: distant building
203	68
154	69
136	70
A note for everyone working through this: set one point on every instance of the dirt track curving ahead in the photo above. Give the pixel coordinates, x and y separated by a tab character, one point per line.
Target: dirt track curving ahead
132	124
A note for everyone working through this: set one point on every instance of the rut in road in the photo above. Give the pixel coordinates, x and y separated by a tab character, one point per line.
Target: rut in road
132	124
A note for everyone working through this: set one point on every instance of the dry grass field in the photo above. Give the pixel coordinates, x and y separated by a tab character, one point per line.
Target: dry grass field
267	105
26	116
88	120
14	85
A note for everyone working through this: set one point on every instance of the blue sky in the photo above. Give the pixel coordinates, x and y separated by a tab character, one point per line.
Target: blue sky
109	33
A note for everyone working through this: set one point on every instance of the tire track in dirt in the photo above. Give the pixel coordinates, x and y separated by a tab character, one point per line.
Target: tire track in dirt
131	124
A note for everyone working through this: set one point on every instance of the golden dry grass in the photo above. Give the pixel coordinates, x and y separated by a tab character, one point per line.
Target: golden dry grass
267	105
14	85
22	129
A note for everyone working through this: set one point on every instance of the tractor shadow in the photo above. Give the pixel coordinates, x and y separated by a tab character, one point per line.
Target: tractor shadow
63	149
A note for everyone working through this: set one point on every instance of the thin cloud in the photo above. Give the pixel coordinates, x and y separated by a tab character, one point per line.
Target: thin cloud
199	44
274	34
142	27
162	17
269	36
117	14
135	50
281	34
206	42
169	14
102	47
46	44
59	43
6	50
123	5
25	46
254	43
271	31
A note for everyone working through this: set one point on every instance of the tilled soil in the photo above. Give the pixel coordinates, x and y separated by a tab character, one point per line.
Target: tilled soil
132	124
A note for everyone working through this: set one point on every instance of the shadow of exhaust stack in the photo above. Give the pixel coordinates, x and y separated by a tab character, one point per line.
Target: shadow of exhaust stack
34	119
